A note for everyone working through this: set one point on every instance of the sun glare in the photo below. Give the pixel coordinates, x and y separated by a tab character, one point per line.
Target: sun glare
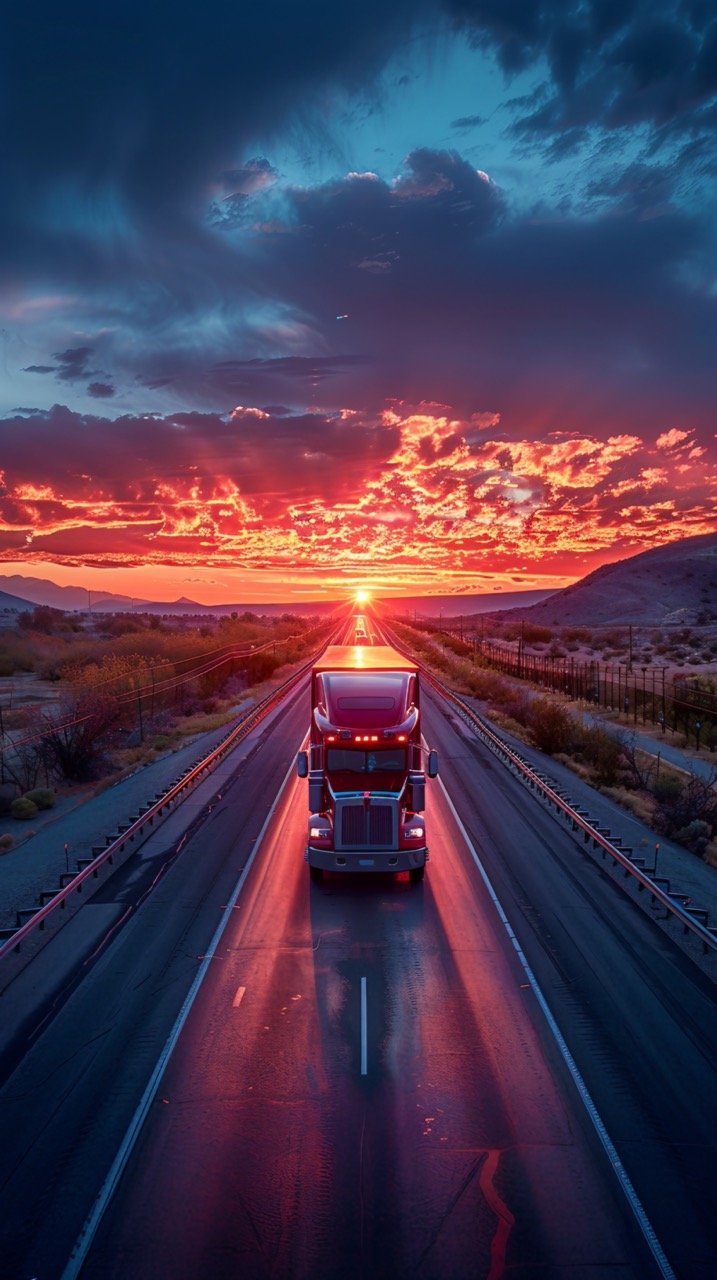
362	597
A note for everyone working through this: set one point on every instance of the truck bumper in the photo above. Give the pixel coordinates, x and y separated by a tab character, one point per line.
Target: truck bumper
366	859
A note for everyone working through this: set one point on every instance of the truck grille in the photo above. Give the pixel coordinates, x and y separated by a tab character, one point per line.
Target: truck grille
368	826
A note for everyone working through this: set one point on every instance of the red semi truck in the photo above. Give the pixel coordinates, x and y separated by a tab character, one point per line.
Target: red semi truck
365	763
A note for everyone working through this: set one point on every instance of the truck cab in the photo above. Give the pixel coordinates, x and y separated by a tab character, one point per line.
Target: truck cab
365	764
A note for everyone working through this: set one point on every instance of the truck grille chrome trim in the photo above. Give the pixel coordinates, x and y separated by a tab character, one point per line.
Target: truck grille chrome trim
366	824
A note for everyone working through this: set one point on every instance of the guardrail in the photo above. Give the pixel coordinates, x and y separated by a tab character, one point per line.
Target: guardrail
694	920
117	843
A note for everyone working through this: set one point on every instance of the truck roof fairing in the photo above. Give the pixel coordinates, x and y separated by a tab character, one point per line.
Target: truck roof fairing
356	657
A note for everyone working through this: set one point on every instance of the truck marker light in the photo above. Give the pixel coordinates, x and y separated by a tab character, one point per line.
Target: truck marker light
401	737
374	737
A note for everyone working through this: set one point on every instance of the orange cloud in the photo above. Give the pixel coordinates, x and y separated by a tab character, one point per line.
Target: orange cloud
414	496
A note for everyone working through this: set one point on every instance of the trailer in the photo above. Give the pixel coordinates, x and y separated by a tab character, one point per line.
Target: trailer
365	767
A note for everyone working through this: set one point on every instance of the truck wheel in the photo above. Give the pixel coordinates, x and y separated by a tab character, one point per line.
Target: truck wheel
316	874
417	874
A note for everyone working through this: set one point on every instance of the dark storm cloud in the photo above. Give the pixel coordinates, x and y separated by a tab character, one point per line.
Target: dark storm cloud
644	189
483	311
258	377
127	189
72	364
612	63
289	366
117	115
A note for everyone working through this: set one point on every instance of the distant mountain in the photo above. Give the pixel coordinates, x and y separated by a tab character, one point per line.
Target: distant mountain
43	591
674	583
461	606
32	591
190	608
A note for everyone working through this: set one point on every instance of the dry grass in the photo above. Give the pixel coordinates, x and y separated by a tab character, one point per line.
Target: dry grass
639	803
710	854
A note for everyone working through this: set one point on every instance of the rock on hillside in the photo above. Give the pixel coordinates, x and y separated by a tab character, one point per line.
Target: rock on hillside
675	583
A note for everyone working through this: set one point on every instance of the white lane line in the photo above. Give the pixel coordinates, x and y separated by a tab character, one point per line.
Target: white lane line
364	1029
238	997
618	1168
89	1230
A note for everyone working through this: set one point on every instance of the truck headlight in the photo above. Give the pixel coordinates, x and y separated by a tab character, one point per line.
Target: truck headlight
413	833
320	832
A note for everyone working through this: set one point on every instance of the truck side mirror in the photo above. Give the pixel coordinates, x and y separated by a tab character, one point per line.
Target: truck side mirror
302	764
432	769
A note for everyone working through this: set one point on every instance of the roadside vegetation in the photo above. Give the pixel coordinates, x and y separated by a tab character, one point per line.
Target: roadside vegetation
682	807
84	700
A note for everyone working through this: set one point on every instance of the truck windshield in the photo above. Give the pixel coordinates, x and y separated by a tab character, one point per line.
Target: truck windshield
385	760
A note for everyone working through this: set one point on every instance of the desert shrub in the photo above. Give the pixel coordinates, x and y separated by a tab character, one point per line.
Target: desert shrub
260	666
577	635
42	618
688	812
533	634
8	792
484	683
638	767
22	808
43	797
75	745
6	842
614	640
551	726
603	752
666	789
18	652
457	646
120	624
695	836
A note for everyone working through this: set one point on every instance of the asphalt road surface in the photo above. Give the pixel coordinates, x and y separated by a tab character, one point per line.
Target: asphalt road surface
366	1084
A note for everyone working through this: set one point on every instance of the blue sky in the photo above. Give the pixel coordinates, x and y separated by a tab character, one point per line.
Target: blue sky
472	240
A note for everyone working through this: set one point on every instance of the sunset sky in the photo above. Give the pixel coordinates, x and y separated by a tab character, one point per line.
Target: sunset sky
297	298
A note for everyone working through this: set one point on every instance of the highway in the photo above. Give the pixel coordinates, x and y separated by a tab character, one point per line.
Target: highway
366	1084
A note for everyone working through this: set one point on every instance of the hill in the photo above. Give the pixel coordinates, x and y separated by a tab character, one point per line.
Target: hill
460	606
674	583
13	604
43	591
